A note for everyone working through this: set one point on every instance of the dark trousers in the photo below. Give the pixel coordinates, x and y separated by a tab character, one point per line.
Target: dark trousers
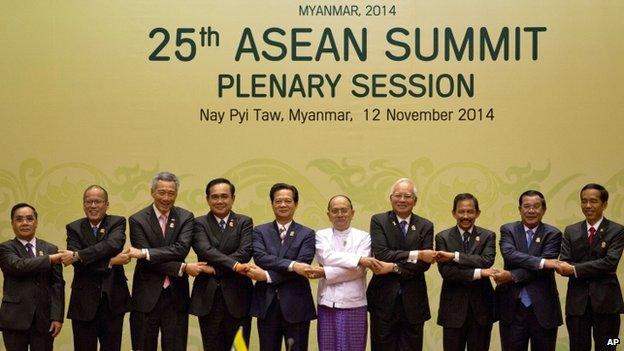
605	327
274	329
397	333
171	322
19	340
471	334
106	326
524	328
218	328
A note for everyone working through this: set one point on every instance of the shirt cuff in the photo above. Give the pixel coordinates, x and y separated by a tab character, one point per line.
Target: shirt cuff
456	259
477	274
181	271
290	266
541	266
146	252
574	269
268	277
413	256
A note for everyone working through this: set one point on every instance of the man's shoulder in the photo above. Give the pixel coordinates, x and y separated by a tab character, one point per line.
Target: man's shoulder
264	227
549	228
577	226
141	213
76	224
484	231
615	226
240	217
46	244
301	228
182	212
447	232
511	226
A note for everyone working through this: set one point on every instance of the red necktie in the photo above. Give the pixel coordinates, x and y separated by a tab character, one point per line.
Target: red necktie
592	235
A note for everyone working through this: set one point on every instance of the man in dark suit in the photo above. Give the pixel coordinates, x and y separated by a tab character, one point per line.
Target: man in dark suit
282	299
527	300
33	300
398	301
465	254
161	237
590	252
222	238
99	297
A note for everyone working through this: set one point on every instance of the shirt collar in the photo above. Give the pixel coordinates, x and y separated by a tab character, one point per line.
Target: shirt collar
534	230
226	218
407	219
596	225
32	242
286	226
158	213
461	231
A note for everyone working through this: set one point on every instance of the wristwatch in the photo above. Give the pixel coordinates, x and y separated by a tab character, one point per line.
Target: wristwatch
395	268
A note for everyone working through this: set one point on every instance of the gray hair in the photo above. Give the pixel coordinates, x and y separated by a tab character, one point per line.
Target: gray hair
403	180
165	177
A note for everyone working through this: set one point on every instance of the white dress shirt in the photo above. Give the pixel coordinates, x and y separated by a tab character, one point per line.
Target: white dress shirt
339	252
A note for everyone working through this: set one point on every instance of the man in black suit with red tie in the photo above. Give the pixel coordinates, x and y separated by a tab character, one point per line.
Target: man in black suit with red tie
161	237
282	299
398	301
221	297
527	300
33	298
590	253
99	296
465	254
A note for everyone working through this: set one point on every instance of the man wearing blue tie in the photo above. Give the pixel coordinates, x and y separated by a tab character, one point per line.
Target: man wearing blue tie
527	300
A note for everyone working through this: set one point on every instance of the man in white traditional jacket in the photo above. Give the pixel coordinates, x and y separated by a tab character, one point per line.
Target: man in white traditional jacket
343	256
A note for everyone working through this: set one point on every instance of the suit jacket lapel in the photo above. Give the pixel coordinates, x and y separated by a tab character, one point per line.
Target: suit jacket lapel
291	235
214	230
537	239
395	233
521	238
87	232
230	230
475	238
171	225
599	238
153	222
21	249
102	229
456	240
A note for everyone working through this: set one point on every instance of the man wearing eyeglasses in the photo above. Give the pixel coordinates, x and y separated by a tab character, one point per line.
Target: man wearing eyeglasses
222	292
398	301
161	237
527	300
282	298
99	296
33	298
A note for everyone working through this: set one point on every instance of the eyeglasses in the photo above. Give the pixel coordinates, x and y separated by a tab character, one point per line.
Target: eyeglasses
93	202
535	207
283	201
403	196
165	193
27	219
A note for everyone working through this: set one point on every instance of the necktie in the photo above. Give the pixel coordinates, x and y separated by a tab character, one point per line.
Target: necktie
466	241
29	249
163	223
524	294
592	235
282	234
529	237
222	225
404	228
94	230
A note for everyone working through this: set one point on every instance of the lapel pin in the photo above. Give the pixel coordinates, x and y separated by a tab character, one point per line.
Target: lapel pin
601	230
231	224
173	219
603	245
102	231
537	240
394	223
40	253
478	238
171	225
292	233
413	227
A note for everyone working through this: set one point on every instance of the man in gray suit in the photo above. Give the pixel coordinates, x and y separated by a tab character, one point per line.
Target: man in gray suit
221	297
33	300
161	237
590	251
465	254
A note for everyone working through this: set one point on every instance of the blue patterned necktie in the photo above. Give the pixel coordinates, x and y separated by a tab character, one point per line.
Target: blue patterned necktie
466	241
94	230
404	228
222	225
524	294
29	249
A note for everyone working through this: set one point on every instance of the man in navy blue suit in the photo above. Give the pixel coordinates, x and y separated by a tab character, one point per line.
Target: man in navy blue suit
527	300
282	298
